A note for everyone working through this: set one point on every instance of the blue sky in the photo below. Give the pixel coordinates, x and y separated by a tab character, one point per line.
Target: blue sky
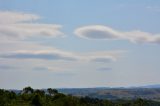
71	43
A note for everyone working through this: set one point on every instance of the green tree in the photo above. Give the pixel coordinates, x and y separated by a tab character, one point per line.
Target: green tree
52	91
36	101
39	92
28	90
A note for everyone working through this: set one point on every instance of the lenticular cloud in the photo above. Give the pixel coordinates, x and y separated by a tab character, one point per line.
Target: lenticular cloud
16	25
99	32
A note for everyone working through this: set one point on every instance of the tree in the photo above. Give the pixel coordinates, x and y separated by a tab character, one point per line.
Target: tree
28	90
39	92
36	101
52	91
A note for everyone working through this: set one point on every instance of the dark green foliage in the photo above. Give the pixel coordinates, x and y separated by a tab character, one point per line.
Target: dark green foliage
52	91
27	90
31	97
36	101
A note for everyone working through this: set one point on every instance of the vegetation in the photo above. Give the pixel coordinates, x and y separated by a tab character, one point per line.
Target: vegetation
31	97
115	93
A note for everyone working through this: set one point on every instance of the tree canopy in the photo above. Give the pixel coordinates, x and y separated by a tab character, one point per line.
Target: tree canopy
51	97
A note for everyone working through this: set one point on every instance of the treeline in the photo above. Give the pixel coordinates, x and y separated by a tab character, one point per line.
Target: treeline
36	97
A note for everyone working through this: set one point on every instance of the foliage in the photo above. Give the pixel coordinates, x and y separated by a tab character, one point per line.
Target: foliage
31	97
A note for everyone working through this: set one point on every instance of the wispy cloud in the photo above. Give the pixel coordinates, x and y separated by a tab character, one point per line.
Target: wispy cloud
102	56
44	55
102	59
7	67
56	54
47	68
17	25
104	69
99	32
11	17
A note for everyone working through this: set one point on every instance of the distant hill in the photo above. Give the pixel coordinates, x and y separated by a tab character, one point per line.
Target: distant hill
151	86
115	93
150	92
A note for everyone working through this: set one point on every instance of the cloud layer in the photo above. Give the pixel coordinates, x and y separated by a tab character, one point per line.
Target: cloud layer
7	67
107	33
16	25
43	55
63	55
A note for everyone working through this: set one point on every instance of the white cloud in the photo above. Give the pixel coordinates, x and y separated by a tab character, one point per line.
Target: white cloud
26	56
45	68
101	56
8	17
107	33
97	32
44	55
56	54
16	25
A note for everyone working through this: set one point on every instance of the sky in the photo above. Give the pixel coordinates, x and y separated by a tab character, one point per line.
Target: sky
79	43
